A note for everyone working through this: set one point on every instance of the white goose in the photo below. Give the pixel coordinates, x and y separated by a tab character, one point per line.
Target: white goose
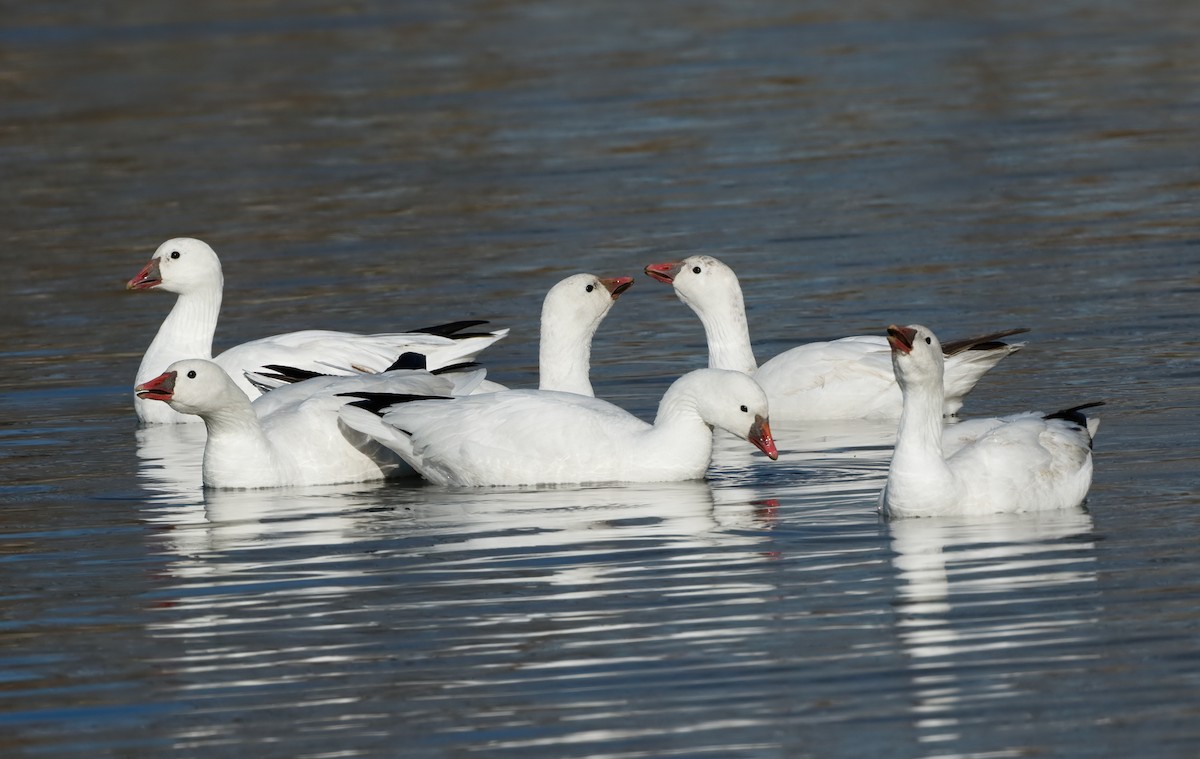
1027	462
537	437
571	312
191	269
850	378
290	436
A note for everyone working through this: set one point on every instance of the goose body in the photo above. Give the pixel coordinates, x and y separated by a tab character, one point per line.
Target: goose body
537	437
191	269
850	378
289	437
1025	462
571	312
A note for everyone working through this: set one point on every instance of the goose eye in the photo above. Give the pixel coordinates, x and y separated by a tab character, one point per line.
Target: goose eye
928	341
192	374
590	288
174	254
695	270
745	410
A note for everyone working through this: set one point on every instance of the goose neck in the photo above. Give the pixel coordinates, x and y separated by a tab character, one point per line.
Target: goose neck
238	452
728	334
187	332
680	430
564	359
918	450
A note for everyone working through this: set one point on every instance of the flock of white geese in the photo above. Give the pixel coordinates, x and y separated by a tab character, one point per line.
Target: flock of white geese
321	407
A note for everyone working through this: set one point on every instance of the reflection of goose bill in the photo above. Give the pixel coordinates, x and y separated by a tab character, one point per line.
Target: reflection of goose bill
744	505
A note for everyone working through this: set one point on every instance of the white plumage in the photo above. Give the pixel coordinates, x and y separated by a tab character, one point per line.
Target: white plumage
536	437
1025	462
291	436
850	378
191	269
571	312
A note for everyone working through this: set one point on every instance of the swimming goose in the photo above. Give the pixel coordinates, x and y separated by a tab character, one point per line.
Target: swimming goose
288	437
1026	462
850	378
538	437
190	268
571	312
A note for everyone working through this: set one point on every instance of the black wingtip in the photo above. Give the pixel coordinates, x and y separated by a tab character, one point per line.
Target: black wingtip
464	366
988	342
414	360
289	373
377	402
409	360
1074	414
454	330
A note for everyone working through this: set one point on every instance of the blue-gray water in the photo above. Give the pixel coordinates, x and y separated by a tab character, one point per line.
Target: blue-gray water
377	166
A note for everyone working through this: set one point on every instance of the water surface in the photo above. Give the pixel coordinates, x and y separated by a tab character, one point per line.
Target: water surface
972	166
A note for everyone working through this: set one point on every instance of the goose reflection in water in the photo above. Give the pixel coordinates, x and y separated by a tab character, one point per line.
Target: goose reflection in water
208	527
170	459
980	601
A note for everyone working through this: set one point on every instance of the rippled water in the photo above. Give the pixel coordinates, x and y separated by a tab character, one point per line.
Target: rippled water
973	166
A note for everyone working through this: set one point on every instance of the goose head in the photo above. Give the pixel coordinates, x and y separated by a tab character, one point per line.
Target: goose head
732	401
916	355
702	282
193	386
180	265
582	299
